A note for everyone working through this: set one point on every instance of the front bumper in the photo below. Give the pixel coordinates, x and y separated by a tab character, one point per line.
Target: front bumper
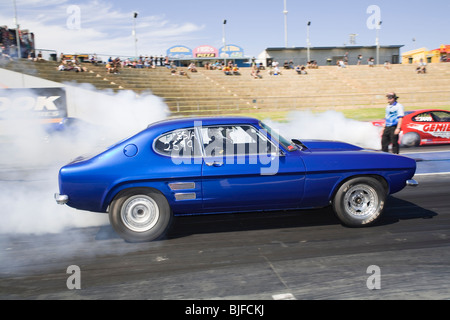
412	183
61	198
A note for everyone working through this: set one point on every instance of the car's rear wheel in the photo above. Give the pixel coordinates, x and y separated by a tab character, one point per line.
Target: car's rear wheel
359	202
139	215
410	139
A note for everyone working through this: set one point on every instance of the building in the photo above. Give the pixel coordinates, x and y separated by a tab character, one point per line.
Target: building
330	55
442	54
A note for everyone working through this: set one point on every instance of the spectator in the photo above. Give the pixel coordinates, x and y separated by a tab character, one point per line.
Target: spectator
32	55
371	62
139	63
346	59
360	57
127	63
227	71
39	57
79	68
61	67
236	70
387	65
167	62
113	66
392	127
342	64
422	67
301	70
66	65
147	62
256	73
94	59
192	67
275	71
182	73
109	67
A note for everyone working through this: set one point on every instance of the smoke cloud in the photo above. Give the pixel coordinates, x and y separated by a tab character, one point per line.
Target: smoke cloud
329	125
31	157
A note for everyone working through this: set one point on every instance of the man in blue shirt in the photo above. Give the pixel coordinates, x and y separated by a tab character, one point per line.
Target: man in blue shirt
394	118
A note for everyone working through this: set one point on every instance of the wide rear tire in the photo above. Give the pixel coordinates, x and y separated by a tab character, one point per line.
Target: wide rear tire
139	215
410	139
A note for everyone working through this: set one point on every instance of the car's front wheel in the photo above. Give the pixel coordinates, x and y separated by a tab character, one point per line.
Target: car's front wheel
359	202
139	215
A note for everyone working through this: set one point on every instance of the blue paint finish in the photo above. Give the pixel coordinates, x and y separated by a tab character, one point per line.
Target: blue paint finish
431	162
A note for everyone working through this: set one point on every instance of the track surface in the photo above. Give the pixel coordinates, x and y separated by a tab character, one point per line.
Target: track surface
265	256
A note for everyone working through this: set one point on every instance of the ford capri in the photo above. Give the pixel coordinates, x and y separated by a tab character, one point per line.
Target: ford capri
225	165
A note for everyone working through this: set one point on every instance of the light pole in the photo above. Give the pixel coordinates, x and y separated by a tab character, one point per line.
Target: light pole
308	42
135	14
378	41
285	25
224	42
19	50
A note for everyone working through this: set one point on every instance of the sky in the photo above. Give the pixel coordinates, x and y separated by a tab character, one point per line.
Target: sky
106	27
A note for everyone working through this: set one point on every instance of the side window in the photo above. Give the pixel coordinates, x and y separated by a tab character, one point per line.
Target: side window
235	140
441	116
178	143
423	117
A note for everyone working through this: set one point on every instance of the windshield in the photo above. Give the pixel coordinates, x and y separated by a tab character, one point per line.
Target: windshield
288	145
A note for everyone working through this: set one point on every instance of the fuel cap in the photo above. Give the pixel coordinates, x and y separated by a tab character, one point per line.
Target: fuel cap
130	150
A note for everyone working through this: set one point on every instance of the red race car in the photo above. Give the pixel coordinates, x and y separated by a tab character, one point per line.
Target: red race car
423	127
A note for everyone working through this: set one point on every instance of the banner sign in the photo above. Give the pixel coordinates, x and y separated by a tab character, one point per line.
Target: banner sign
179	52
231	51
206	52
33	103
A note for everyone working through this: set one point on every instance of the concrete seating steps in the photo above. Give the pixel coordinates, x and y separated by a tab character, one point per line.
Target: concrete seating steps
212	92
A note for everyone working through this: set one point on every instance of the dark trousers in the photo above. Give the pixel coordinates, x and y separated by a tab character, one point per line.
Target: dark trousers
389	137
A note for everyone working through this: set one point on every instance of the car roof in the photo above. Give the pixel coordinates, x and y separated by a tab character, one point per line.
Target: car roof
425	110
175	123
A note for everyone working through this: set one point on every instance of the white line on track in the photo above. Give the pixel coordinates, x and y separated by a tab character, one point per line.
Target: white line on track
432	174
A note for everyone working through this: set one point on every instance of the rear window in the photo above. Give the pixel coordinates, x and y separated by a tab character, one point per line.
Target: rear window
178	143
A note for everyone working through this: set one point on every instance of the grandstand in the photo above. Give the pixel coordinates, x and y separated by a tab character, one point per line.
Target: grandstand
210	92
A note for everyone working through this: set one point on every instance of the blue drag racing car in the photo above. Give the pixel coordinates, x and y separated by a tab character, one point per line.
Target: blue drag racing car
227	164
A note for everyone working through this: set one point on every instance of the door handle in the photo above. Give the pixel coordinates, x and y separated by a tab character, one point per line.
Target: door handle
214	164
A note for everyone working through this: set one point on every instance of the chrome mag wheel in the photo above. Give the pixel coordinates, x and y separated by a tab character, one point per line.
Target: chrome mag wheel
140	213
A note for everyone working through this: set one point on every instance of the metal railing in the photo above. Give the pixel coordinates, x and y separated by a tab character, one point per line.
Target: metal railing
207	105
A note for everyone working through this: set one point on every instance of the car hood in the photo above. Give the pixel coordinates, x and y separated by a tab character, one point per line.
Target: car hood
323	145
